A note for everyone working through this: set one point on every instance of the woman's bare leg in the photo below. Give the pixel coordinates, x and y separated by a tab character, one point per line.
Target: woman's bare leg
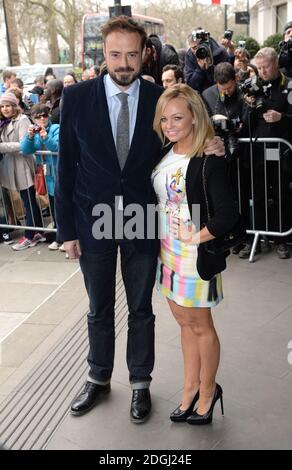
201	353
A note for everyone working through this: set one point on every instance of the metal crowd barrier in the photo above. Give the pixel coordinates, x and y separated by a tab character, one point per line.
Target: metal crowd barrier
12	209
270	154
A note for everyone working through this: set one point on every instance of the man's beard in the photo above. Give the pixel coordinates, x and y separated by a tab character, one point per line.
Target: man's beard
128	77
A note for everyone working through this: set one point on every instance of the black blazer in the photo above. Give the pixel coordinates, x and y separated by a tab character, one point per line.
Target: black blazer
223	207
88	169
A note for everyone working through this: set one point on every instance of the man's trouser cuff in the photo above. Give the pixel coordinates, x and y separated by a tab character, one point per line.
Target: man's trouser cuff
140	385
97	382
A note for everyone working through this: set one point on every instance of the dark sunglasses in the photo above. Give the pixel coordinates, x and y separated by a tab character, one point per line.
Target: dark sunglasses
38	116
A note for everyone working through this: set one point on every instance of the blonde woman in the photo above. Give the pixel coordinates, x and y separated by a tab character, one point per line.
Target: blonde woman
187	275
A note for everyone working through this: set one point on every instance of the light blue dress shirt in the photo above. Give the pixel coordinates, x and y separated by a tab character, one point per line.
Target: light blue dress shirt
114	104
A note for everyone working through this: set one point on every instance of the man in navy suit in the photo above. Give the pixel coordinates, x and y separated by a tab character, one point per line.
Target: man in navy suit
90	173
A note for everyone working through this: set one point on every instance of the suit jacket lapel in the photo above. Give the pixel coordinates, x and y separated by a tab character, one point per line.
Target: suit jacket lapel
103	121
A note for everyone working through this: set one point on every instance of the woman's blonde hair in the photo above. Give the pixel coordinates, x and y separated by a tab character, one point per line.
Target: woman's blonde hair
203	128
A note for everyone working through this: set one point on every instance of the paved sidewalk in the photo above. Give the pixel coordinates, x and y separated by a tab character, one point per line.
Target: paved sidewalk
254	324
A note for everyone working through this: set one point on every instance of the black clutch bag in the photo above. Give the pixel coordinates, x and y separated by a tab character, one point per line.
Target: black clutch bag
222	245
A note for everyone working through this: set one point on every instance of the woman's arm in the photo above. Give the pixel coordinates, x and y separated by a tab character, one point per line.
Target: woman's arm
52	140
14	146
27	145
223	207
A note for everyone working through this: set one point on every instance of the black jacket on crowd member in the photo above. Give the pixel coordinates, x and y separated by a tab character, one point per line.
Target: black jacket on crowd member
230	106
277	100
55	112
200	79
233	107
166	54
258	127
285	64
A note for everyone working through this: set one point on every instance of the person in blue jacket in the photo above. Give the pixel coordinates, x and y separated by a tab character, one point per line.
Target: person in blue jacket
43	135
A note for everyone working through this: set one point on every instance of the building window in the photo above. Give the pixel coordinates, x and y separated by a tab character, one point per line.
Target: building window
281	17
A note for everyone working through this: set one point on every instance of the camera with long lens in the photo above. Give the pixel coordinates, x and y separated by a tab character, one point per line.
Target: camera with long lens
228	34
203	49
260	91
201	35
286	46
227	128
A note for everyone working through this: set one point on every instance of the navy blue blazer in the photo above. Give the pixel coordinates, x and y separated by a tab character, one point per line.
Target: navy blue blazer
88	168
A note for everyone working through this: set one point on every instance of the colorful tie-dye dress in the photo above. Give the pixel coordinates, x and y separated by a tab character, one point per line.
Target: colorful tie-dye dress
177	276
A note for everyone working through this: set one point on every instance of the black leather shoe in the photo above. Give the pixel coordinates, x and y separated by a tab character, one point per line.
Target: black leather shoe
140	406
178	415
88	398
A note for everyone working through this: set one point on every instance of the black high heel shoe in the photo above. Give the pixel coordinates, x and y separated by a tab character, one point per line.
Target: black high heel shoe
197	419
179	415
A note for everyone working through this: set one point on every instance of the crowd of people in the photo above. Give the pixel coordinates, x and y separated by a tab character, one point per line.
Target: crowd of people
141	129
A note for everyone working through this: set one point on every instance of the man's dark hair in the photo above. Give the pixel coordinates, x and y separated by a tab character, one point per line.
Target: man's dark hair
125	24
224	72
72	74
18	82
178	73
96	69
56	87
8	74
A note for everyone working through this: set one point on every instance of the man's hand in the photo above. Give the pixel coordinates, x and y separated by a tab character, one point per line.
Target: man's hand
215	147
30	131
250	100
229	45
272	116
203	63
43	133
73	249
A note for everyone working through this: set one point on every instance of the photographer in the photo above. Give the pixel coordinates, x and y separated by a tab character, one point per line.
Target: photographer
156	56
285	56
229	45
225	97
270	115
225	105
204	53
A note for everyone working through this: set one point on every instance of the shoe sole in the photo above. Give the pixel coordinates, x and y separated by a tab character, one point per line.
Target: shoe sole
83	412
21	249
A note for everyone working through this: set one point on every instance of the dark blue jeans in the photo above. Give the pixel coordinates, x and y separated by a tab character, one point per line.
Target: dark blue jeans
33	216
138	272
